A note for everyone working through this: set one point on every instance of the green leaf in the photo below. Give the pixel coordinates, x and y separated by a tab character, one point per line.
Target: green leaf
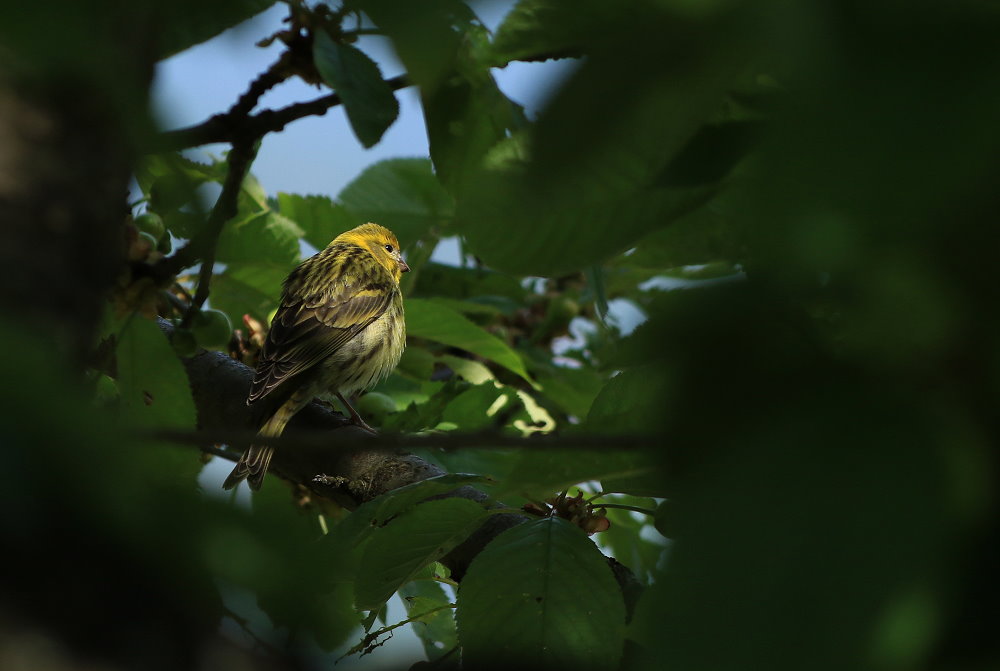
401	194
154	387
703	236
248	288
369	101
579	203
466	117
468	369
573	390
485	286
266	237
402	499
504	212
397	551
416	362
319	217
469	410
434	321
436	631
630	402
541	29
541	594
425	35
540	473
188	22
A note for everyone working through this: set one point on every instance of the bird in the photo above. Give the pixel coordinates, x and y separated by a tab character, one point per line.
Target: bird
339	328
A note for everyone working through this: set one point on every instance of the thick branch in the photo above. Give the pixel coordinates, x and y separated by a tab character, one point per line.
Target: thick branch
219	386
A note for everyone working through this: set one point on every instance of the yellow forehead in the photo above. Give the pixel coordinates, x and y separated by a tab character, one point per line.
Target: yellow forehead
370	232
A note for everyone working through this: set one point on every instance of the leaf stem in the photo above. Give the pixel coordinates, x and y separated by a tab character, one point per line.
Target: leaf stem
622	506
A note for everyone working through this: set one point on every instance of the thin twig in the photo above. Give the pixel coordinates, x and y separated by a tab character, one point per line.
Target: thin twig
274	75
622	506
240	158
226	127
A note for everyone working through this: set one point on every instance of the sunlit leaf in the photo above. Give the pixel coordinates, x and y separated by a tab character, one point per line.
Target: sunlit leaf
437	322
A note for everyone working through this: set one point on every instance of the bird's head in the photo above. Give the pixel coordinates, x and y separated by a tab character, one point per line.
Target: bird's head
382	244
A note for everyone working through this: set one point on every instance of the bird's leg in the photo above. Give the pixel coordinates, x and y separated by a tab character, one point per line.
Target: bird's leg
355	417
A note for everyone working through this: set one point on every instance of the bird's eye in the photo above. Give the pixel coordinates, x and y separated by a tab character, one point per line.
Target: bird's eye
388	248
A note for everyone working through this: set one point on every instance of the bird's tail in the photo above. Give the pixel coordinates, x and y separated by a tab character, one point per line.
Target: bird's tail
253	464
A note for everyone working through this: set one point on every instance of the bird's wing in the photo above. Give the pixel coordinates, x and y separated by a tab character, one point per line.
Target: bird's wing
306	331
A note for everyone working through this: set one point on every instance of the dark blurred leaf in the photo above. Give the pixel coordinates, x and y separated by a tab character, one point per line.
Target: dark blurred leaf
290	579
630	402
703	236
542	29
406	544
318	216
541	594
572	389
481	284
437	322
712	153
577	202
565	238
401	194
188	22
369	101
466	117
426	36
416	362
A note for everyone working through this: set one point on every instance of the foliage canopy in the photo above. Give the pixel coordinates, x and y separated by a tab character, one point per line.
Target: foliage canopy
796	449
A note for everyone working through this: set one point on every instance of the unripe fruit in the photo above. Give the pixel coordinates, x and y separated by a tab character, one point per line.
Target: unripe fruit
152	223
212	328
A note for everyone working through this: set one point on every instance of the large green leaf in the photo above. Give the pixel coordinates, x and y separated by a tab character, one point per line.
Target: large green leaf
398	550
320	219
190	22
630	402
572	204
428	319
539	473
426	35
248	288
402	194
541	594
540	29
154	387
369	101
265	237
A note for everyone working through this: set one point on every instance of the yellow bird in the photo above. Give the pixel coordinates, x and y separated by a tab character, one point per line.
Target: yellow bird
339	328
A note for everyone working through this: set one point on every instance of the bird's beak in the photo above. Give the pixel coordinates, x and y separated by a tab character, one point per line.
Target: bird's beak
403	268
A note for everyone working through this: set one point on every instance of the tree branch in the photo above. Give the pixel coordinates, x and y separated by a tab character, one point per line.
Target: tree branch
229	126
205	244
219	386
